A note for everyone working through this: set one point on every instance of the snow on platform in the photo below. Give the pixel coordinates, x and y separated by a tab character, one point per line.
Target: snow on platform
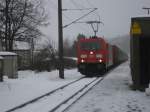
3	53
114	95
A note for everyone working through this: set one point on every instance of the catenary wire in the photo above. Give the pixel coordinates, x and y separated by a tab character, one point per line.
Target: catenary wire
67	17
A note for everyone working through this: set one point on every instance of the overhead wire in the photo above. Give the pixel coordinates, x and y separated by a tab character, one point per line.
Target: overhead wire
79	6
80	18
81	9
91	5
97	16
81	26
67	17
55	8
96	12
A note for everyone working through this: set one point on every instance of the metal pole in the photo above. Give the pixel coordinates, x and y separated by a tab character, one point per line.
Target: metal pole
31	51
6	25
1	70
60	40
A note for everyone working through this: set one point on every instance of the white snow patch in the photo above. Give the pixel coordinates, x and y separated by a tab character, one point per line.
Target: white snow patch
30	85
148	91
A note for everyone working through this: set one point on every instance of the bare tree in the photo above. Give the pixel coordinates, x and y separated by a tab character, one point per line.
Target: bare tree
20	19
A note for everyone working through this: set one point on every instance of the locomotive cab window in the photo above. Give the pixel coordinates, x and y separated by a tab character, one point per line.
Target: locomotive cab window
90	45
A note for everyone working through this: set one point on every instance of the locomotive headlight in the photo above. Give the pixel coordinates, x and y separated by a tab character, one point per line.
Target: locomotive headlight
91	52
83	56
82	61
100	60
99	56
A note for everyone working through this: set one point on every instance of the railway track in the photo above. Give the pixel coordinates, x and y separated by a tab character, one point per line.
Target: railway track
40	97
63	104
81	86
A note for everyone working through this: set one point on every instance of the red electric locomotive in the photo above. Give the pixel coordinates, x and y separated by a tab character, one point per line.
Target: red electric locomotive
94	55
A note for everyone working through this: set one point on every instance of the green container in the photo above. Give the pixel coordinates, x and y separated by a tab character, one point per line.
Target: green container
140	52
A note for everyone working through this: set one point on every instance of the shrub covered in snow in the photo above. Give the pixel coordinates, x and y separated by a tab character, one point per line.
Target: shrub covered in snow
148	91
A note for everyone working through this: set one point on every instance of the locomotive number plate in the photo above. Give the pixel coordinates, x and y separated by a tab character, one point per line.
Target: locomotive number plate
91	56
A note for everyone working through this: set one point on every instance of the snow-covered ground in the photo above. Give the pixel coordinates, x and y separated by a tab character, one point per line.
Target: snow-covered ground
30	85
111	95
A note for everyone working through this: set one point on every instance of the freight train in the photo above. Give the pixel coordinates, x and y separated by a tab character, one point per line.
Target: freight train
95	56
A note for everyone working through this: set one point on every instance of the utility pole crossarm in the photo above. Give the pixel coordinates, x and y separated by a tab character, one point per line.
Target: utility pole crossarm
148	9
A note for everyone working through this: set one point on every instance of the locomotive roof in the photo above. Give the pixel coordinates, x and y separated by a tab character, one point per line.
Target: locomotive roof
92	38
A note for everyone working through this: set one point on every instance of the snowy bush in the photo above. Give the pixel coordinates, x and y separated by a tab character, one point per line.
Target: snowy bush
148	91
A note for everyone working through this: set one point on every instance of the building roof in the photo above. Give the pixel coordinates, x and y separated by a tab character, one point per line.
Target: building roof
3	53
21	45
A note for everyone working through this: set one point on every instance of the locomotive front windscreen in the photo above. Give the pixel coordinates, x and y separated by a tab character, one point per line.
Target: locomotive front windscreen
95	45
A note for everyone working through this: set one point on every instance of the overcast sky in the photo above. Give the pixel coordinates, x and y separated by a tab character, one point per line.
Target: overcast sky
115	14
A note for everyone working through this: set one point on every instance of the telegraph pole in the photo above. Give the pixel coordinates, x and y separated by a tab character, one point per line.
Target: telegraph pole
60	40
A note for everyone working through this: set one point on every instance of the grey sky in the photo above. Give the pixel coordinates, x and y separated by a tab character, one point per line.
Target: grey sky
115	14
